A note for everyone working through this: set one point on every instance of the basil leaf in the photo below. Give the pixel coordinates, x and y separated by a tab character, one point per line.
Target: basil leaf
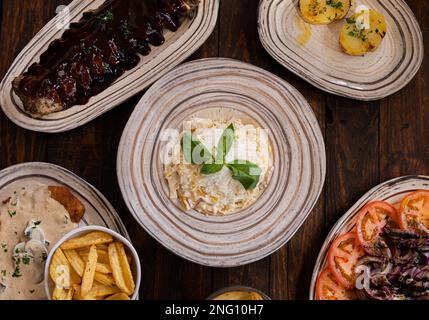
246	172
225	143
194	151
211	168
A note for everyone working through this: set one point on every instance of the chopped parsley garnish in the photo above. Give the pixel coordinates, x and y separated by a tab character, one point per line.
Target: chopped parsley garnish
17	272
351	20
334	4
107	69
106	16
125	29
26	259
360	34
11	213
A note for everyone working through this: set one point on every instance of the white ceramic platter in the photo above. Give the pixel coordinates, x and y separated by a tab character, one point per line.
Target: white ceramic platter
391	191
321	61
223	89
178	46
98	210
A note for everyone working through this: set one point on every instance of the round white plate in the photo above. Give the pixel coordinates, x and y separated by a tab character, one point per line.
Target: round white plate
391	191
177	47
223	88
321	60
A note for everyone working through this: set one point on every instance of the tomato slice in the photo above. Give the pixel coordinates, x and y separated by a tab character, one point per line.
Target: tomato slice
343	255
370	223
414	212
328	288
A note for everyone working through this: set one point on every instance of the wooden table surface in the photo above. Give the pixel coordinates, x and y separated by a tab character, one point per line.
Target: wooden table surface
366	143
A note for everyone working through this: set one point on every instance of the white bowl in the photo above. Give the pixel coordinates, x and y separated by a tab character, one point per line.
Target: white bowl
135	262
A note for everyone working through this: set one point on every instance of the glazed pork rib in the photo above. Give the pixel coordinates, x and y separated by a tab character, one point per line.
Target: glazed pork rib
96	51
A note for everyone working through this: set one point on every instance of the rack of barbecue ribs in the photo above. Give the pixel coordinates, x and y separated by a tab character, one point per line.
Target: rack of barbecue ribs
96	51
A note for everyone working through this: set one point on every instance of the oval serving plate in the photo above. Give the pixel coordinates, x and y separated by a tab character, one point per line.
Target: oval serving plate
223	89
98	210
321	60
391	191
178	46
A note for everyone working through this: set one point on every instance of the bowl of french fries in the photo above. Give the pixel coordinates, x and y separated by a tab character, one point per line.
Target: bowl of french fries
92	263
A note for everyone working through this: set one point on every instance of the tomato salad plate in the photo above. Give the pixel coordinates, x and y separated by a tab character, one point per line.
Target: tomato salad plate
379	250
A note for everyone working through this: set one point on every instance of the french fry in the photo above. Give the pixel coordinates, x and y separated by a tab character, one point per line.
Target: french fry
58	293
78	296
102	247
103	268
68	294
88	275
103	256
118	296
62	294
75	261
62	274
115	263
126	269
92	238
101	290
105	279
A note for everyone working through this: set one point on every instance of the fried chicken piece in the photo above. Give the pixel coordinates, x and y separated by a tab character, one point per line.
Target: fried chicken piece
74	207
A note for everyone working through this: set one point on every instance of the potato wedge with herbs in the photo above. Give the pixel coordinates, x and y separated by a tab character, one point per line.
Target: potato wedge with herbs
363	32
323	11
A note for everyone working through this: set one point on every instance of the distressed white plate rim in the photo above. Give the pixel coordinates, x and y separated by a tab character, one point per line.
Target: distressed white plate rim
321	61
227	87
178	46
391	191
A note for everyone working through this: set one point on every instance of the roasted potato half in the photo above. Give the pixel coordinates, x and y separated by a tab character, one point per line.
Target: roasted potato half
363	32
323	11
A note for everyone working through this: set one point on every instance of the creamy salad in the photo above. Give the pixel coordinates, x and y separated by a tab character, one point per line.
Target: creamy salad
221	189
30	223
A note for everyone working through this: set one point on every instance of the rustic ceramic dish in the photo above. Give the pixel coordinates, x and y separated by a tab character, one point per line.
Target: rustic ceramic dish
321	60
223	89
98	210
391	191
179	46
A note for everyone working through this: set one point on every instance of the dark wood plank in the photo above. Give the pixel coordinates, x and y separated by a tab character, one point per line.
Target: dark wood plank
304	247
404	131
18	145
353	154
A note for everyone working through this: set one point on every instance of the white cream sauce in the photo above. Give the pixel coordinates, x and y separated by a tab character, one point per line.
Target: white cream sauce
31	222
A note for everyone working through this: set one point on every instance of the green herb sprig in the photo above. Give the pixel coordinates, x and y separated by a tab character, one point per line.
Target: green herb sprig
245	172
